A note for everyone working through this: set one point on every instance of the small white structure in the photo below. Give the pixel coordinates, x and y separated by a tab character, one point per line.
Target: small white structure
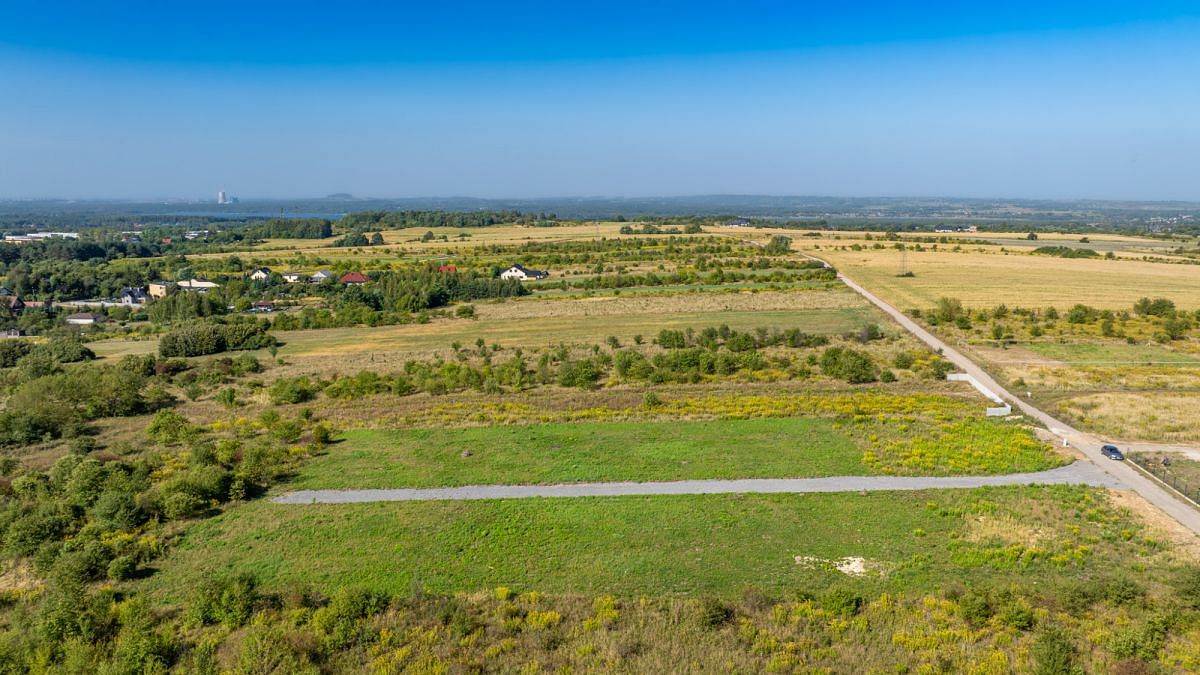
321	275
261	274
523	274
83	319
292	277
197	285
1002	408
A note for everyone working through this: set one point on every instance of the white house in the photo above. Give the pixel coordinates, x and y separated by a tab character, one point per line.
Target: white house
321	275
523	274
292	277
261	274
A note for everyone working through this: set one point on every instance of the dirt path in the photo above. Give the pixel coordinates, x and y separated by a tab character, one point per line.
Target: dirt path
1079	473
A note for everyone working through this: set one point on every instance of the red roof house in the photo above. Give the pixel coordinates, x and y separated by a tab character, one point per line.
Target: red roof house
353	279
447	268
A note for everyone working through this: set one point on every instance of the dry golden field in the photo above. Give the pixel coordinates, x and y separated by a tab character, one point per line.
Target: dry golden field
992	278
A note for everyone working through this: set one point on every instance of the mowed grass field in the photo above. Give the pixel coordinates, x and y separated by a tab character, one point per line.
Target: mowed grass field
1113	354
423	338
566	453
990	279
628	546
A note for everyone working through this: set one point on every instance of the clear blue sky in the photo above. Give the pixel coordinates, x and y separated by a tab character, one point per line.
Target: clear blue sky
138	99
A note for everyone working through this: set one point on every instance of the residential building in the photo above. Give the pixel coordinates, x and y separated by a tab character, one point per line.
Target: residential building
133	296
522	273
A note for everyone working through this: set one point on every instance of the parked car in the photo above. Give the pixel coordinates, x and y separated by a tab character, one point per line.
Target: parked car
1112	452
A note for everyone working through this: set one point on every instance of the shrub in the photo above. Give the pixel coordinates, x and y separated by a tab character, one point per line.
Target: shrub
1017	614
1053	653
976	608
169	427
293	390
122	568
841	601
1155	307
583	374
850	365
229	601
714	613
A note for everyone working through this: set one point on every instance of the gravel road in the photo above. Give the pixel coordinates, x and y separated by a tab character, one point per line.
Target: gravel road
1079	473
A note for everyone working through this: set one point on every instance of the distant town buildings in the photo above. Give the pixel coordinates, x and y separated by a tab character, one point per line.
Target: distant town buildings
38	236
223	198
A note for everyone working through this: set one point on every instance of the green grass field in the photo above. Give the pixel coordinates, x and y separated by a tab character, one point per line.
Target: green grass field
1112	354
565	453
663	545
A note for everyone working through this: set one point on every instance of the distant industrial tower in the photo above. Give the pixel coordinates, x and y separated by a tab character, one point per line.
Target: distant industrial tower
222	198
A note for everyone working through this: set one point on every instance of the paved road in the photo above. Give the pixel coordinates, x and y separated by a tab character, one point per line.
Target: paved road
1079	473
1085	443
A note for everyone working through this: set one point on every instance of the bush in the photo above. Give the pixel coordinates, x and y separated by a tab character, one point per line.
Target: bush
229	602
169	427
583	374
122	568
841	601
1053	653
976	608
850	365
1157	307
293	390
714	613
209	338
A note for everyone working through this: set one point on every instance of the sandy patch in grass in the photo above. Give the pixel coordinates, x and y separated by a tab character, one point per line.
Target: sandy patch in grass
853	566
1002	528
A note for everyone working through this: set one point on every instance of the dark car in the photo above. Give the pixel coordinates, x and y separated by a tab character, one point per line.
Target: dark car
1112	452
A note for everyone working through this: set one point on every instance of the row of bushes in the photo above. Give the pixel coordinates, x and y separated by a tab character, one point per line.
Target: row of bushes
200	339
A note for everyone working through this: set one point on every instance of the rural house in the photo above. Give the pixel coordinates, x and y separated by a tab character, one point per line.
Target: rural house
354	279
261	274
292	277
14	303
321	275
523	274
133	296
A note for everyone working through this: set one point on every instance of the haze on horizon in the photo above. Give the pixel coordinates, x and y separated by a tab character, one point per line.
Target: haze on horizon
1083	100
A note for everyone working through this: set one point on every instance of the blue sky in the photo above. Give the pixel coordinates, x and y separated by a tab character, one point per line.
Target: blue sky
143	100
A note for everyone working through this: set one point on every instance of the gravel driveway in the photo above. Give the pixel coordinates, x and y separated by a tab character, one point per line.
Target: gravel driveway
1079	473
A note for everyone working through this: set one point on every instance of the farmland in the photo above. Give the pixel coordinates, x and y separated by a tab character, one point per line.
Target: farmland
644	357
